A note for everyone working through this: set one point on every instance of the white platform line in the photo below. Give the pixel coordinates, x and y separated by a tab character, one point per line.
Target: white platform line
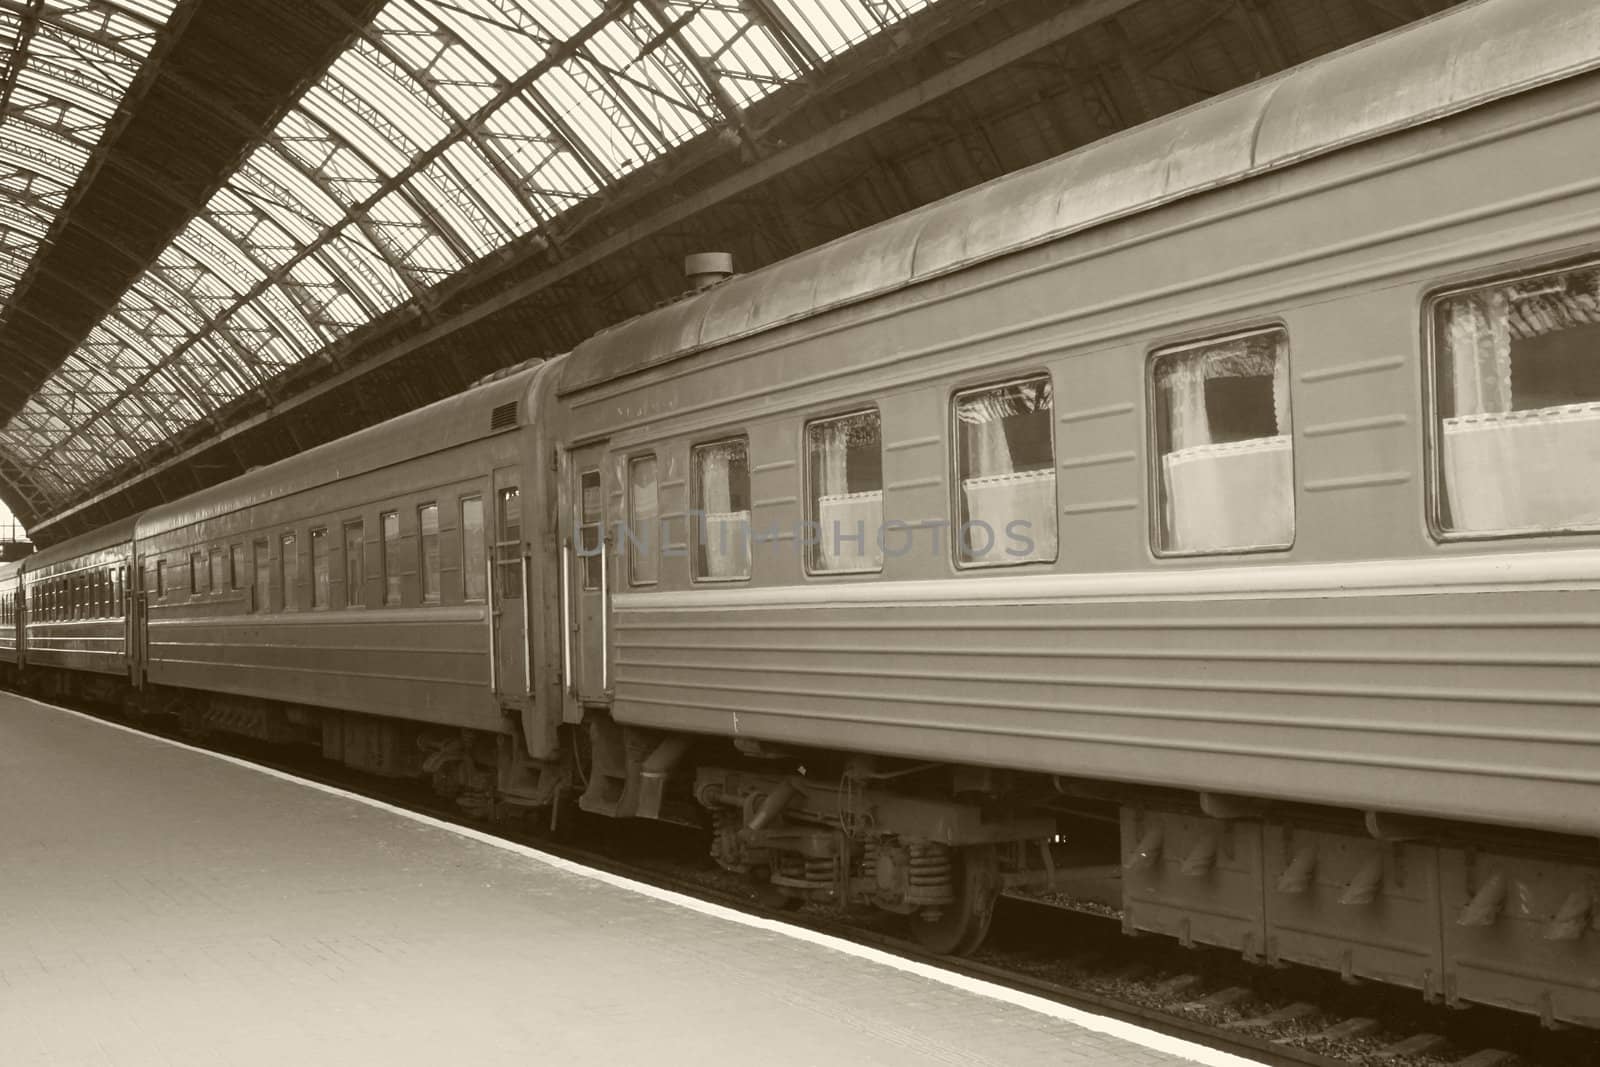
1117	1028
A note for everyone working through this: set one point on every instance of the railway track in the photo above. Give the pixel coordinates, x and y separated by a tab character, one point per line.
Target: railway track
1051	949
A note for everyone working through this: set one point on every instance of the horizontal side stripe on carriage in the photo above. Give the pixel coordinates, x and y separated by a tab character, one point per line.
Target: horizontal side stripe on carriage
943	679
1509	572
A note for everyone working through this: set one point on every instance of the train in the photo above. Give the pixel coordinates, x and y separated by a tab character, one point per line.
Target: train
1189	506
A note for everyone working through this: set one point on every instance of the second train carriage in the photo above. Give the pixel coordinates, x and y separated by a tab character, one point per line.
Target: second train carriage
1257	405
374	591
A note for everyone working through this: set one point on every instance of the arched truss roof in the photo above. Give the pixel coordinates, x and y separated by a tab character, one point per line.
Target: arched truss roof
445	131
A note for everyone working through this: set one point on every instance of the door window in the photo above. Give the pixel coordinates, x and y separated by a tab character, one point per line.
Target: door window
590	526
508	542
428	550
474	577
260	594
319	568
643	529
390	521
289	572
355	565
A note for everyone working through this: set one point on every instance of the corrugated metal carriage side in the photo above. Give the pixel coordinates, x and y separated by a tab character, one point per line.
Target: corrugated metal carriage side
1357	652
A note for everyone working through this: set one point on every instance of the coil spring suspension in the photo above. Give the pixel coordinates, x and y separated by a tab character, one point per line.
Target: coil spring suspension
930	878
867	858
806	872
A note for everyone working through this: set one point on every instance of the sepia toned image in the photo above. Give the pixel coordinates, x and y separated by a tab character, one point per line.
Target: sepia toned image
784	532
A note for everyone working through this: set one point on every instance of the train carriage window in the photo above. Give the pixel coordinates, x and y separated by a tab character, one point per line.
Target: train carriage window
289	572
197	573
219	571
508	542
720	496
236	571
474	578
389	523
844	479
261	586
1517	405
319	568
591	535
161	578
355	564
428	550
1226	446
1006	465
643	530
120	593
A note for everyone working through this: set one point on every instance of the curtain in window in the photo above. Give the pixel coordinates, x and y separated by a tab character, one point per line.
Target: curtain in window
1230	495
727	531
842	515
1511	469
1008	473
1185	386
1514	471
1478	333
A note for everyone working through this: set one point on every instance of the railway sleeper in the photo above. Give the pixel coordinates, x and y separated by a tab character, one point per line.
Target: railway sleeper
1462	923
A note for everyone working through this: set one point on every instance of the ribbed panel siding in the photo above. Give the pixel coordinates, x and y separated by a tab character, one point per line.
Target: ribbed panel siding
427	664
87	645
1480	706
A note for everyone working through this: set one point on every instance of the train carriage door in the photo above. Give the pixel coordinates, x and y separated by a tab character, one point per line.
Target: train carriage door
584	531
508	585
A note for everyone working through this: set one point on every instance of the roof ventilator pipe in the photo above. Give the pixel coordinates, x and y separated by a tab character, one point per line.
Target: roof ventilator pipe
705	269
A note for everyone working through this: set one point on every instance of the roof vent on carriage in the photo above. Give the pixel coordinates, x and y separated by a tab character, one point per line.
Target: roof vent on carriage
705	269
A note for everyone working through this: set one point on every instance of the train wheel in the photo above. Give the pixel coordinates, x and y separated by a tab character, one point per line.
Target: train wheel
962	925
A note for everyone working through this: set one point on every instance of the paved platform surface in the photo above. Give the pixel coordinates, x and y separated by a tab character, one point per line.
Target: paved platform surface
159	906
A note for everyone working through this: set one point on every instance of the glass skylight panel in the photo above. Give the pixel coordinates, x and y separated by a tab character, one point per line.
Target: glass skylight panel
326	225
831	26
498	194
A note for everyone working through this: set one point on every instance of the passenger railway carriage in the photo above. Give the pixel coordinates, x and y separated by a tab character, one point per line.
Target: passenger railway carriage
1230	483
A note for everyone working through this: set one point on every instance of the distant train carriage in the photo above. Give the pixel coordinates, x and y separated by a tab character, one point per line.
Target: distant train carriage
77	618
10	622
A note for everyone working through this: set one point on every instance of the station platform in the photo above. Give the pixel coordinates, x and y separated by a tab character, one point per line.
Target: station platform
165	906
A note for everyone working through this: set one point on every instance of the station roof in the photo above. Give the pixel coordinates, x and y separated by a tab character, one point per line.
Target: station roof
208	206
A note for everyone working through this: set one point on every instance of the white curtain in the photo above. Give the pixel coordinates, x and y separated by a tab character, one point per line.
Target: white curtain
716	495
727	531
1185	386
1478	331
1515	470
1230	496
